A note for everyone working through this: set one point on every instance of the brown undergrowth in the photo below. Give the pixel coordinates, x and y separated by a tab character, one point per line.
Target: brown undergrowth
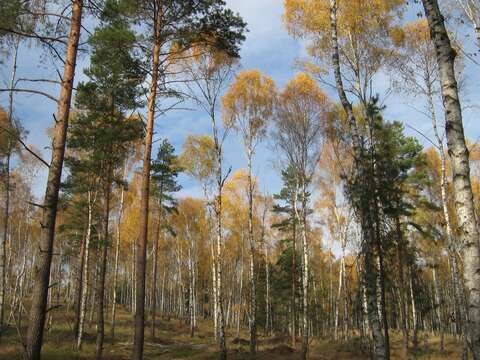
173	341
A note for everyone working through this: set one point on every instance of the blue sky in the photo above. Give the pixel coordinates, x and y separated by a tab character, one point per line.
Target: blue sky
268	48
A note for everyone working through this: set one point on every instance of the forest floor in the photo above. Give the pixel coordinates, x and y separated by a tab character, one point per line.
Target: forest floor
173	341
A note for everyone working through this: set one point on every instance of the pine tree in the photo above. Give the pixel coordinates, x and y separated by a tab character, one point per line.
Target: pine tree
286	203
165	171
102	128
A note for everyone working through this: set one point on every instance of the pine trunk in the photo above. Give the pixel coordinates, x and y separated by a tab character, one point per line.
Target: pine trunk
43	262
141	259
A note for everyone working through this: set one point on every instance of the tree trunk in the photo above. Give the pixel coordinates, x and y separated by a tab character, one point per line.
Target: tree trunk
155	271
7	189
49	210
240	289
268	320
459	156
305	271
371	276
414	315
339	293
214	290
103	272
219	262
253	291
452	245
117	255
402	288
438	306
4	243
141	260
77	301
367	224
85	270
294	267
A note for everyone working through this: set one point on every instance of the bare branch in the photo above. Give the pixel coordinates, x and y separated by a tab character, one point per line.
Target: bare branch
37	92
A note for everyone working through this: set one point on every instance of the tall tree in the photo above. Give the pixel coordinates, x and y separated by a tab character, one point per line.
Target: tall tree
459	155
355	44
301	111
417	68
102	128
38	307
210	70
165	170
247	107
10	133
286	202
182	22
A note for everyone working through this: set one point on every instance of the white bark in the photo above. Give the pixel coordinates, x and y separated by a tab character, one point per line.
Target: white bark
86	268
459	155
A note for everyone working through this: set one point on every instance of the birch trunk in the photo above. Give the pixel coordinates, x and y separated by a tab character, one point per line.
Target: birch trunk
253	291
117	255
214	290
77	300
380	349
240	290
438	304
305	272
339	293
103	271
6	215
459	155
414	316
294	266
452	245
85	271
43	262
154	273
267	293
219	262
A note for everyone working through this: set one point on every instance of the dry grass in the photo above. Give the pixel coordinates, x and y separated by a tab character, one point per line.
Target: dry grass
173	341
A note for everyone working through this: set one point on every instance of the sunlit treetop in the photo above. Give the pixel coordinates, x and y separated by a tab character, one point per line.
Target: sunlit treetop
303	89
304	18
364	34
412	35
248	103
198	157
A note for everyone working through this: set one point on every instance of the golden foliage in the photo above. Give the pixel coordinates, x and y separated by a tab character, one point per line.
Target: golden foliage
304	17
303	91
198	156
248	103
8	133
364	27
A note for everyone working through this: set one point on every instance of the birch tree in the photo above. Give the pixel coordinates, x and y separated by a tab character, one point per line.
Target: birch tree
210	71
247	107
351	38
301	111
459	156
